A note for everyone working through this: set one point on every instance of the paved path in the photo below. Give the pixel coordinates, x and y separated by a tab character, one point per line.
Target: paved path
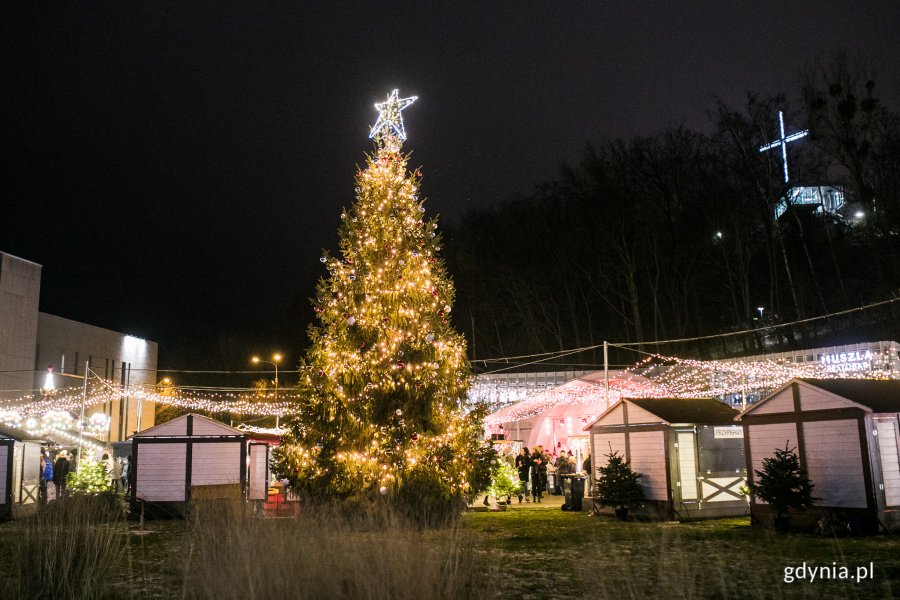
551	501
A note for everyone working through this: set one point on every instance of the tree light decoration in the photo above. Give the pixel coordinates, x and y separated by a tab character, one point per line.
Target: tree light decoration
278	431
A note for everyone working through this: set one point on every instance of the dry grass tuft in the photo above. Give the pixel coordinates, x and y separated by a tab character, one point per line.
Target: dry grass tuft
70	549
325	554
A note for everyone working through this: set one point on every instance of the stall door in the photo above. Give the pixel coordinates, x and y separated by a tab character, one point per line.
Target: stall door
17	473
687	464
257	471
890	460
4	473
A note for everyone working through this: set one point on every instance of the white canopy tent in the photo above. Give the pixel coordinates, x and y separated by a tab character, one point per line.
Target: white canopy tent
555	418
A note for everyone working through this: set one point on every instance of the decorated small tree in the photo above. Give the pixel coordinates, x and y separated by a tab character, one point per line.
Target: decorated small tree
504	481
384	379
617	485
91	479
784	485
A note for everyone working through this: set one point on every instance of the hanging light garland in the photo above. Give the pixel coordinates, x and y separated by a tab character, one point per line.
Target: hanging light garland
660	376
656	375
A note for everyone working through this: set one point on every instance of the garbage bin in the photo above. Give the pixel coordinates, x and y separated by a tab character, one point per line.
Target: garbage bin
573	486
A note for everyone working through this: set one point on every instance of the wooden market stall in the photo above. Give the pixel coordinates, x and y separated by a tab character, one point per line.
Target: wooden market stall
689	452
190	458
847	434
20	464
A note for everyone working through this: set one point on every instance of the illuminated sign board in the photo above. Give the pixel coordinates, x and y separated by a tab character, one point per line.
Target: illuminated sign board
855	360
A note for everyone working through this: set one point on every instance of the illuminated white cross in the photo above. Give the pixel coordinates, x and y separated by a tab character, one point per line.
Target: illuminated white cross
783	142
389	117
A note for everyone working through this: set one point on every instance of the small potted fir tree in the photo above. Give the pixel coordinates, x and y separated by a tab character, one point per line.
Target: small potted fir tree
784	485
617	486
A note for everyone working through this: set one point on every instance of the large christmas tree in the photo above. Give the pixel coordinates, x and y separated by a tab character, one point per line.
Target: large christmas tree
386	374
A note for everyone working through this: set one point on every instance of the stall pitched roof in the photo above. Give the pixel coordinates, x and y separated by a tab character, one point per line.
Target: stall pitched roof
880	395
166	429
20	435
678	410
687	410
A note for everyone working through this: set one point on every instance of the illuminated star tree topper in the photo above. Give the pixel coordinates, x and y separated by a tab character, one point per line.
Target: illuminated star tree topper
390	121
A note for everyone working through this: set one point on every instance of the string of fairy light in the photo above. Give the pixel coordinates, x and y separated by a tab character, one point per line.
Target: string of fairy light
662	376
673	376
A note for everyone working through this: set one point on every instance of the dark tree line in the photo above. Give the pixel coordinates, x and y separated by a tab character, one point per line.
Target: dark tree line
676	235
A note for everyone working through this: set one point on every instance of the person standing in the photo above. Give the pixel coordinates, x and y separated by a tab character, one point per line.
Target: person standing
546	461
562	468
48	475
537	460
60	470
523	465
132	476
125	477
42	479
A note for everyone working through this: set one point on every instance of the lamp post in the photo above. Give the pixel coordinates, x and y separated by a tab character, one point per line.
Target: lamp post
276	358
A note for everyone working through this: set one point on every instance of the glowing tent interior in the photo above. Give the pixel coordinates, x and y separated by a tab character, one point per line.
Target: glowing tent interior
555	418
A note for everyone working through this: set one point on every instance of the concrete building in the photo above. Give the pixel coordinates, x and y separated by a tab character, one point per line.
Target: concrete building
32	341
69	346
20	287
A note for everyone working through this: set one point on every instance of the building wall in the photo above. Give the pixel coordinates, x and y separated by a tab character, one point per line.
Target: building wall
160	472
20	285
68	345
216	464
813	398
603	444
636	414
764	440
834	462
888	440
782	402
4	473
648	457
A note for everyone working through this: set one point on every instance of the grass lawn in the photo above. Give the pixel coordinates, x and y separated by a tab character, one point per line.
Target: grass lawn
542	552
528	551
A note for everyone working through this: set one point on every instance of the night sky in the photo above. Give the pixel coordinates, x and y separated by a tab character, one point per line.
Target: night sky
177	167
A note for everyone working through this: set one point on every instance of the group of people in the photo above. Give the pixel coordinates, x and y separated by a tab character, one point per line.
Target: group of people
533	468
56	471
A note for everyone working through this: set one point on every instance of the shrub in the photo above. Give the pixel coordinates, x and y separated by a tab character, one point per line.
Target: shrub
783	483
617	485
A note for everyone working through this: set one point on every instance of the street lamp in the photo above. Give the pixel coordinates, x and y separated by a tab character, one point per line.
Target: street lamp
760	309
276	358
